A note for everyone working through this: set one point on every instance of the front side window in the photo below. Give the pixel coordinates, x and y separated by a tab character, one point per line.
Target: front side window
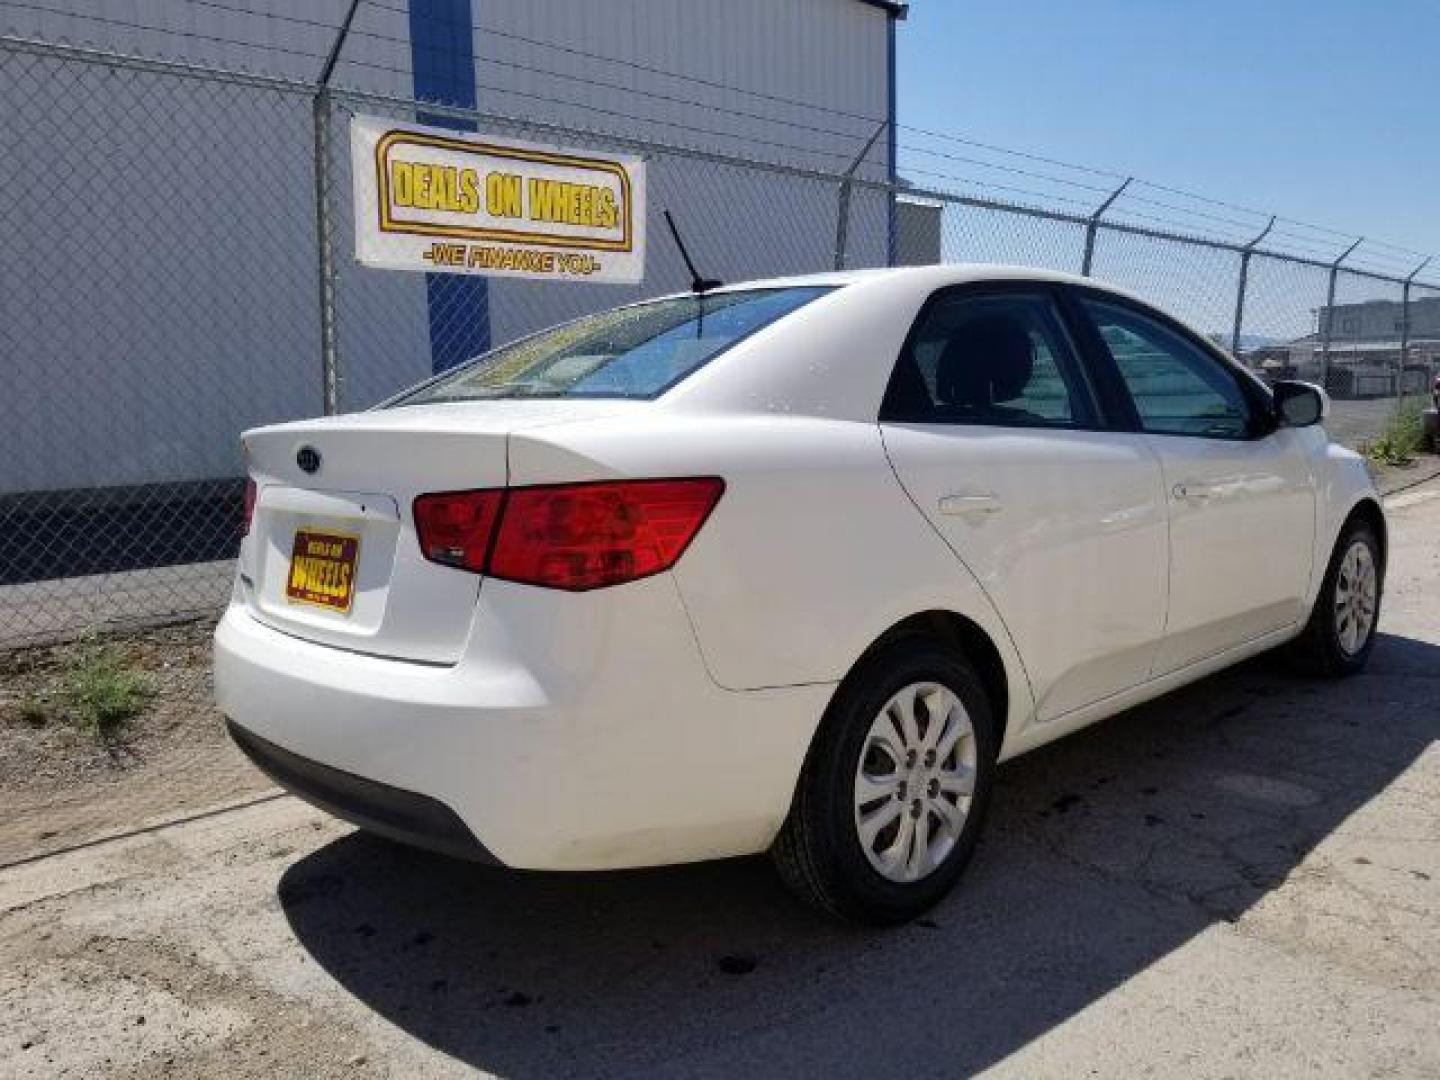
1178	387
630	352
1001	360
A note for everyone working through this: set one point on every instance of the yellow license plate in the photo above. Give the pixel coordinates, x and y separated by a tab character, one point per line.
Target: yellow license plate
322	569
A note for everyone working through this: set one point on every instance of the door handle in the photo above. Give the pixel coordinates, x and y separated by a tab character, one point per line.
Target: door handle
1192	491
980	503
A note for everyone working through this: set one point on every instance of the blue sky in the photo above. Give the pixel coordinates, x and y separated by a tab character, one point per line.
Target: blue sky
1326	111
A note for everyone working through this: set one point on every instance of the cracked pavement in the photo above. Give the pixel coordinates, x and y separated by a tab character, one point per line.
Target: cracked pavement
1242	878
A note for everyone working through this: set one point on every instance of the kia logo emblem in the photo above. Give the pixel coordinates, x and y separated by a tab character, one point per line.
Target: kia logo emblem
308	458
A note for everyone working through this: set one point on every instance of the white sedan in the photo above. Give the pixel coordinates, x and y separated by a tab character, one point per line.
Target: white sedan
783	566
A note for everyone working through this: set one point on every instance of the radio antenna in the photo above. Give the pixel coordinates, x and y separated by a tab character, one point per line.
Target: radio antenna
698	285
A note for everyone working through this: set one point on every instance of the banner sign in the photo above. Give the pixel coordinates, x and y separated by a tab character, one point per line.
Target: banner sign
443	201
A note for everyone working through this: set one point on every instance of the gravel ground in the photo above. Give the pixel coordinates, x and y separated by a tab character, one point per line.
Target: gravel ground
64	783
1242	878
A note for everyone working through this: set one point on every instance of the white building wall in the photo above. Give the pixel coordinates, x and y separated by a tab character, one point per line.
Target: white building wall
192	313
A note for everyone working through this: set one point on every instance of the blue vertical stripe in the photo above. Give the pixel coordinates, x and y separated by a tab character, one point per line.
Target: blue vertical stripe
442	58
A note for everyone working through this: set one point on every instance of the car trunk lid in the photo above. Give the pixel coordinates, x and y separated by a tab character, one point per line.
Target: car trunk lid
331	554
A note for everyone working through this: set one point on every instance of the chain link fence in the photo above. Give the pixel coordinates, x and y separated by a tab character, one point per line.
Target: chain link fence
147	280
179	267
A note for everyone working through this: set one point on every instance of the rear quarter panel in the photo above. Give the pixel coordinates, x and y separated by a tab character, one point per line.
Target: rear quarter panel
812	553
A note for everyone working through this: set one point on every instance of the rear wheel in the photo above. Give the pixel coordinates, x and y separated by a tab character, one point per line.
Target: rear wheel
1341	631
894	791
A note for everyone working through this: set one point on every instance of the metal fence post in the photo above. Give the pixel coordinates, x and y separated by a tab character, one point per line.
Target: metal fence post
325	257
842	223
1094	223
329	357
1405	331
1328	319
1240	289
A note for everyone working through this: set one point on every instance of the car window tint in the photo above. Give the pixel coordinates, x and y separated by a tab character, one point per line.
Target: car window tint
1000	360
631	352
1178	388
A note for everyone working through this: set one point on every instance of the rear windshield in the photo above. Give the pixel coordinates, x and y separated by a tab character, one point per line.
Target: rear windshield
630	352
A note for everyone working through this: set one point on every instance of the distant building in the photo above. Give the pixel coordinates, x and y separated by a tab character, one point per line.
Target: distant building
1364	350
1380	320
917	230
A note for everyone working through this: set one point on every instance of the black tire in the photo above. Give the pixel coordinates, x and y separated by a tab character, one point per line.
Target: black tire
818	854
1317	651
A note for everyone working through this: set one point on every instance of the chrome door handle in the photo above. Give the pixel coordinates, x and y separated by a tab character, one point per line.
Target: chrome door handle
984	503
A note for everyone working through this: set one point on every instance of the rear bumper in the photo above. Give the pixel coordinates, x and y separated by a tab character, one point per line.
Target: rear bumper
389	811
578	731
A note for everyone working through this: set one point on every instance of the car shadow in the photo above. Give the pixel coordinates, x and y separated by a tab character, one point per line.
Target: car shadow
1104	852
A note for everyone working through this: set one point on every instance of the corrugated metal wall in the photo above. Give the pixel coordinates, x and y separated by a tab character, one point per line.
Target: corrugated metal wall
542	59
802	82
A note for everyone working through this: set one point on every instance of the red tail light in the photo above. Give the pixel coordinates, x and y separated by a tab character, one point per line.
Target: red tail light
586	536
248	513
455	527
570	536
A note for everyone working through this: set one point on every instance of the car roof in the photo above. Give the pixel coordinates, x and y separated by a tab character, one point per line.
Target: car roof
925	279
923	276
841	336
929	278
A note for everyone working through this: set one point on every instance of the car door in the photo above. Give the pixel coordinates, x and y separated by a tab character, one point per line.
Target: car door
996	432
1240	493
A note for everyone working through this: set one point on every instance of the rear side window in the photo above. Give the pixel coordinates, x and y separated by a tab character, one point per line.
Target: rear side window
1177	386
630	352
999	360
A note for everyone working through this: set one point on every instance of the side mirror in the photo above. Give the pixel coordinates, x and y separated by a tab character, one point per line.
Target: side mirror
1299	404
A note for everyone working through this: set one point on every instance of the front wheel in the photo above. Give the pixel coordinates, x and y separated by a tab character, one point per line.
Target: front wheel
1341	632
893	794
